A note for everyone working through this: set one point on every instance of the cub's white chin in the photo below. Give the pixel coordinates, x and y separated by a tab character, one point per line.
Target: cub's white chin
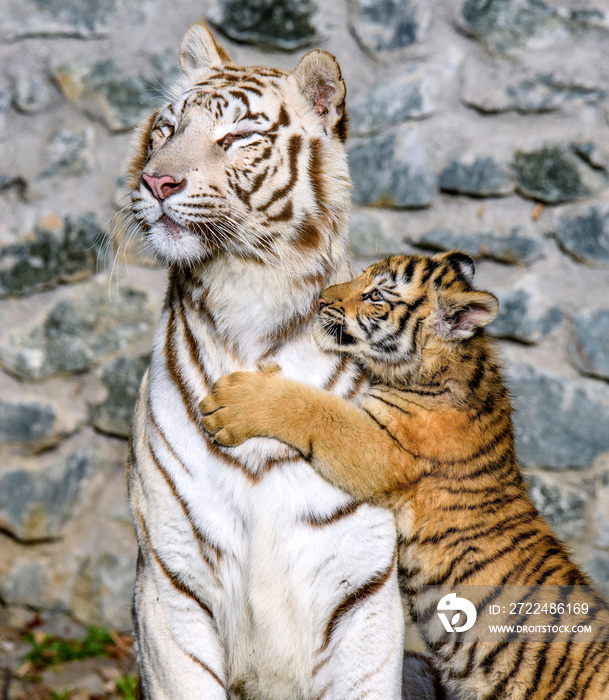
174	245
324	341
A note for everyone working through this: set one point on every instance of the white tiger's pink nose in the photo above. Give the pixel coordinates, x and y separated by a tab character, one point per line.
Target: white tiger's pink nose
163	186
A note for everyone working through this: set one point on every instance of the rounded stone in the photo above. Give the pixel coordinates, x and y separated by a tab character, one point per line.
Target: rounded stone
104	91
368	239
584	233
519	246
504	26
518	318
71	153
121	379
36	503
283	24
55	18
589	343
563	506
554	174
391	102
57	250
78	333
383	26
25	422
481	177
385	175
559	423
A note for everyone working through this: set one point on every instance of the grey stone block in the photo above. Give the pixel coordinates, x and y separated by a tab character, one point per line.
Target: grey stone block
79	333
589	342
563	506
55	252
26	421
384	175
539	93
121	379
519	246
506	26
584	233
392	101
104	91
519	319
116	575
368	239
598	566
26	583
389	25
560	423
600	513
71	153
35	504
548	93
32	93
481	177
55	18
279	24
555	174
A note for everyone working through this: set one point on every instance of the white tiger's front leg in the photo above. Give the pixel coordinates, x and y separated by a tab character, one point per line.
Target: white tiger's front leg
179	654
363	645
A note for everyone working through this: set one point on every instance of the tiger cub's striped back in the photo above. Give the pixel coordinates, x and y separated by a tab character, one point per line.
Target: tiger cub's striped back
433	440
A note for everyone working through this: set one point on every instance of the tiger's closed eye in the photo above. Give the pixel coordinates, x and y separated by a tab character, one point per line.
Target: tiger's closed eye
160	133
229	139
373	295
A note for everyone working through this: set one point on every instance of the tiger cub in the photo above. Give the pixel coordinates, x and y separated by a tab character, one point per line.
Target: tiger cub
433	440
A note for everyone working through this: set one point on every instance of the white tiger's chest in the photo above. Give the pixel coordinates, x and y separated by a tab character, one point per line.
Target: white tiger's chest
280	573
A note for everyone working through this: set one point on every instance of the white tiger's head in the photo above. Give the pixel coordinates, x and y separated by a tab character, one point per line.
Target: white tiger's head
247	161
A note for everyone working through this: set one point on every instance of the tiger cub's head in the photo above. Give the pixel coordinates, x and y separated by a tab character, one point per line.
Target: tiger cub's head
403	312
247	161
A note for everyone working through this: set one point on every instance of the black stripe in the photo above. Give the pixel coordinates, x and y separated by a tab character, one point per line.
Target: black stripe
355	598
386	430
294	147
430	267
473	532
501	686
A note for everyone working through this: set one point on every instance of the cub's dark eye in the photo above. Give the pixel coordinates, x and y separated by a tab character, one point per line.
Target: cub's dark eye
229	139
374	295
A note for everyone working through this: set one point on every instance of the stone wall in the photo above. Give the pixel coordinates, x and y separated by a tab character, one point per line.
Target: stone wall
474	125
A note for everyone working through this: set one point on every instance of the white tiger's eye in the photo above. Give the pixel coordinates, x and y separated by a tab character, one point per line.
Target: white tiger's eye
229	139
160	133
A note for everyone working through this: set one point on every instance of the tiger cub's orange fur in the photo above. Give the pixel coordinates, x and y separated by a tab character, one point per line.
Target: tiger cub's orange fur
433	440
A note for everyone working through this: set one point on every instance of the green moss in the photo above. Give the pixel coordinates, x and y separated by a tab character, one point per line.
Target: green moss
50	651
126	686
60	695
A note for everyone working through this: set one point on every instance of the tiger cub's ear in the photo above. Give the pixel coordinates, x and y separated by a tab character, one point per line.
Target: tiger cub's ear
319	79
458	318
463	264
199	50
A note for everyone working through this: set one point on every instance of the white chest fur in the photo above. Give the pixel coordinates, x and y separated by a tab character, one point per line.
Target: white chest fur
252	542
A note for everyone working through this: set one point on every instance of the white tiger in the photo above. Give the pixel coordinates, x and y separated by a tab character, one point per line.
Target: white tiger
254	581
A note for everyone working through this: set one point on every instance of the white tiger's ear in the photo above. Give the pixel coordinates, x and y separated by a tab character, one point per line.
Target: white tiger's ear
199	50
319	79
460	317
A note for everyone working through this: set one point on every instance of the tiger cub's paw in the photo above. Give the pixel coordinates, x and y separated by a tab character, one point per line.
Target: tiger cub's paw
231	410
